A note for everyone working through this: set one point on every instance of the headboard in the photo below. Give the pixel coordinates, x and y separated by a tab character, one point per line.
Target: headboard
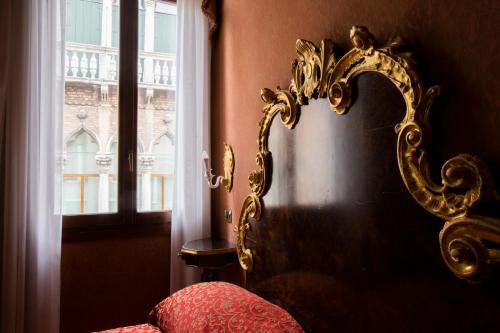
334	230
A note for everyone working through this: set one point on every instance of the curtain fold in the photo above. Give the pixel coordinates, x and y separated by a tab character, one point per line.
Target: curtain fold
191	205
31	115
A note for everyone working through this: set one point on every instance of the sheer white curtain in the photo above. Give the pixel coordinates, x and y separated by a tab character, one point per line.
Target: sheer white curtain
31	120
191	206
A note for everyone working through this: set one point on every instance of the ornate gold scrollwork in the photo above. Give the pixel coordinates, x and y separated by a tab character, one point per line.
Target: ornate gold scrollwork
282	102
227	181
311	70
463	246
465	179
252	207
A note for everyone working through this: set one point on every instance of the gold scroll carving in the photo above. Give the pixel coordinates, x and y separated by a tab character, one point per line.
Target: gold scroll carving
465	239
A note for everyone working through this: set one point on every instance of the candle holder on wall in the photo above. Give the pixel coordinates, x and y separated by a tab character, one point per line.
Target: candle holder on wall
227	179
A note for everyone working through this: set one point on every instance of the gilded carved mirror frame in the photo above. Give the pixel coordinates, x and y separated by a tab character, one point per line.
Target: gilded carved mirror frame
469	242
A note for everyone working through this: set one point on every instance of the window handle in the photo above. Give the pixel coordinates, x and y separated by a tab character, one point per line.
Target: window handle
131	161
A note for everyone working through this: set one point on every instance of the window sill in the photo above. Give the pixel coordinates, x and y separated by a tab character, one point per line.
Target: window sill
91	227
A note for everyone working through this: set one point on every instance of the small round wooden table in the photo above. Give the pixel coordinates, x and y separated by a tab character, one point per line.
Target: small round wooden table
210	255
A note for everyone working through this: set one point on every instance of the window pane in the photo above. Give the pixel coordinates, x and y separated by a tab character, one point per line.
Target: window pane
156	105
91	106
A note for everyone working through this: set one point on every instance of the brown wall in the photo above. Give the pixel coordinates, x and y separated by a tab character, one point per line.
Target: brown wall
113	278
455	43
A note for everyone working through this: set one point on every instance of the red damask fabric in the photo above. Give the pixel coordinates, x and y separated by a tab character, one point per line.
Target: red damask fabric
217	307
143	328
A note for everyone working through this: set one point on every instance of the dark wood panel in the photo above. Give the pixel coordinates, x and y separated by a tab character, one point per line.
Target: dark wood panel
341	242
113	277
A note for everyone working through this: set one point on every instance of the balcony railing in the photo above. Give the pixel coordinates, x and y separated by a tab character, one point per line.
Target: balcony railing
99	65
83	178
163	177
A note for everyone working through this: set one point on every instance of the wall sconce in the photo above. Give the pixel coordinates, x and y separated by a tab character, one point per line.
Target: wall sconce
227	179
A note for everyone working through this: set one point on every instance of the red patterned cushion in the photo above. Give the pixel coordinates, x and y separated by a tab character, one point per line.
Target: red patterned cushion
215	307
143	328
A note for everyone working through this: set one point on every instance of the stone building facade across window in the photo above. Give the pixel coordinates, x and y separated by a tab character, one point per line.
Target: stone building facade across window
91	106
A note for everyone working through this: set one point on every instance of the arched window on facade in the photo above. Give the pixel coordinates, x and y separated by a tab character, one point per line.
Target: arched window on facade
81	176
162	182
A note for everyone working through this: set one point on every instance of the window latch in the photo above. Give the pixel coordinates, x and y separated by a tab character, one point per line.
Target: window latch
131	161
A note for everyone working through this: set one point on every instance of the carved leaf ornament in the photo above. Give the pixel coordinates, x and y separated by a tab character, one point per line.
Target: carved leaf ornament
316	73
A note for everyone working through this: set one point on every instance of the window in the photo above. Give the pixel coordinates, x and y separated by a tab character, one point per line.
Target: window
119	111
81	174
